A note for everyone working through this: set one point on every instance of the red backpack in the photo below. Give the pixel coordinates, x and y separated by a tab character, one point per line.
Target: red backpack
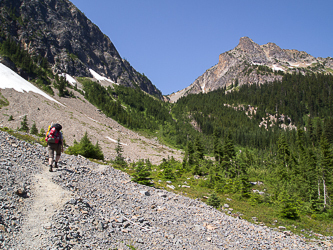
53	135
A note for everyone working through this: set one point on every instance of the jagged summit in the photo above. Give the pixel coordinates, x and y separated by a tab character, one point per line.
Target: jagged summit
250	63
71	43
247	45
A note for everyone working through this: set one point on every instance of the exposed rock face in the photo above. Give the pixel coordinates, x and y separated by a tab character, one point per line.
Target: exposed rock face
72	44
245	65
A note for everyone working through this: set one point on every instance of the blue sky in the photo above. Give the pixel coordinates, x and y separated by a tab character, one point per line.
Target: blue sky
175	41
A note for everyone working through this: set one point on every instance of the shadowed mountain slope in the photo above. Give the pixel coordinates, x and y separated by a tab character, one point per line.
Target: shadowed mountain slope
71	43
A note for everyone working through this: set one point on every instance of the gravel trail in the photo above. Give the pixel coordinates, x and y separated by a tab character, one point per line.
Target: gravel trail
48	198
84	205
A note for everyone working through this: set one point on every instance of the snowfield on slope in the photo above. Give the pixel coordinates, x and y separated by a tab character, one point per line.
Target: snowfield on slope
99	77
69	79
11	80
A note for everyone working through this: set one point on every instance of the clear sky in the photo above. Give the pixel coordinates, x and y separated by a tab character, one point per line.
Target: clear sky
175	41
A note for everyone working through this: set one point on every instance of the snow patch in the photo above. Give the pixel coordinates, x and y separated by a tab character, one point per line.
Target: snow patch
113	140
203	88
69	78
10	80
276	68
99	77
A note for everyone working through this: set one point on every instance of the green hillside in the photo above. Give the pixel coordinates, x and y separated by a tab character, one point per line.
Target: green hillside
225	149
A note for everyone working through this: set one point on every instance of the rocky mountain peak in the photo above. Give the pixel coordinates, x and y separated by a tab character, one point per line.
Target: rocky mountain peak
251	63
248	46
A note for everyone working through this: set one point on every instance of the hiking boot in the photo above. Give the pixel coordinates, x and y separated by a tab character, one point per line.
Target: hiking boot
50	169
56	164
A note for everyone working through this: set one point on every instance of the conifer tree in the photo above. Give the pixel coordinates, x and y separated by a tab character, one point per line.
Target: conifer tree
311	176
42	132
284	158
199	150
142	173
24	125
86	146
211	178
289	206
218	153
310	131
236	82
190	153
34	130
326	167
228	148
228	156
328	129
214	200
319	131
61	86
196	168
98	152
167	173
119	157
301	167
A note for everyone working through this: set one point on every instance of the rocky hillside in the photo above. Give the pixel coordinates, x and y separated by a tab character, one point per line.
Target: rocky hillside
83	205
250	63
59	31
76	115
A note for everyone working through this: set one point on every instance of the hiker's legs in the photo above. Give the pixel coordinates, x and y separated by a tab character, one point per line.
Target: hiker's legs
58	154
51	155
56	161
57	158
50	164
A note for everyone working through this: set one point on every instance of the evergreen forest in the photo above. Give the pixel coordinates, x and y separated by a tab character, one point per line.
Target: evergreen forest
228	150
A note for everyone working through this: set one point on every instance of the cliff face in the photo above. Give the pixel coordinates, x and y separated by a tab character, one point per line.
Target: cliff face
59	31
250	63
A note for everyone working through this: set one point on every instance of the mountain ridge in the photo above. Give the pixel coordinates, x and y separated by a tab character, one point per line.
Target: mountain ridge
72	44
242	63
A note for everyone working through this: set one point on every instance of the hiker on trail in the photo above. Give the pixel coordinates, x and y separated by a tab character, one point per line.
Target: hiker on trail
55	144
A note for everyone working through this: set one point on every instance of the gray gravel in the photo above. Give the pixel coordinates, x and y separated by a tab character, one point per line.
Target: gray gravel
108	211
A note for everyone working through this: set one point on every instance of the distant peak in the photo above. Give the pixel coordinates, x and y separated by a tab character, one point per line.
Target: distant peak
246	44
245	39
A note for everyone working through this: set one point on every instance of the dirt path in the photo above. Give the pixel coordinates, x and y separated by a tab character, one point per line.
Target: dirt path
47	199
